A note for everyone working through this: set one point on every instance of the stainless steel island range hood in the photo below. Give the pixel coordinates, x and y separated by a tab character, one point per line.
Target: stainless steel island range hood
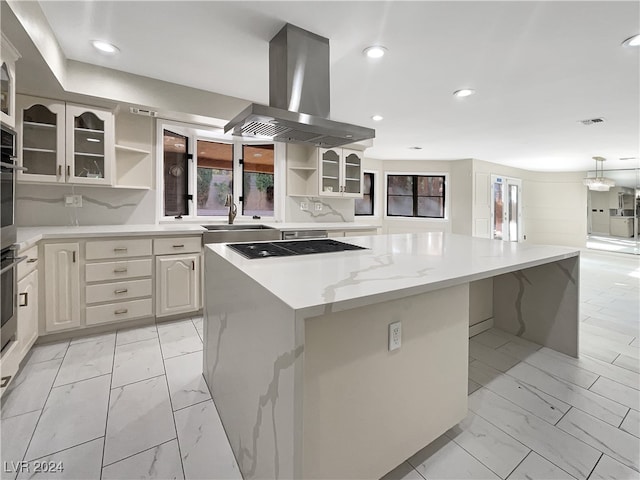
299	99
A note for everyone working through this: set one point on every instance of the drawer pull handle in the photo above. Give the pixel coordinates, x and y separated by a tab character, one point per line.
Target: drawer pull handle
120	270
73	255
5	381
179	246
193	265
120	249
121	290
68	170
59	170
31	260
122	311
25	302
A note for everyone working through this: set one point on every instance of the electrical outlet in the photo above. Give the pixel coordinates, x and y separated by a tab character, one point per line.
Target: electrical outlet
304	206
395	336
318	206
73	201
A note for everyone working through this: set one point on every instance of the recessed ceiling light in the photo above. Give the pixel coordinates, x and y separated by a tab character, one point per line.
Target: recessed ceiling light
464	92
628	158
415	148
375	51
632	41
377	118
104	47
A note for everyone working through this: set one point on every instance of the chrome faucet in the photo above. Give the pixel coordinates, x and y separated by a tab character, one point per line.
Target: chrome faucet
233	209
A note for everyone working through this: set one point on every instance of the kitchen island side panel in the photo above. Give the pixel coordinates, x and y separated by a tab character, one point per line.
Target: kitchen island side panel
367	409
541	304
251	365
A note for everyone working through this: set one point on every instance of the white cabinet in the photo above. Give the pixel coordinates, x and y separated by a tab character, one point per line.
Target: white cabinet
118	276
177	284
27	312
62	286
340	172
324	172
8	57
64	143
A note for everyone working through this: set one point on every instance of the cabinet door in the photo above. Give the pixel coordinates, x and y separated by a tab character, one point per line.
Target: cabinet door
352	173
90	145
329	166
177	284
62	286
41	140
27	312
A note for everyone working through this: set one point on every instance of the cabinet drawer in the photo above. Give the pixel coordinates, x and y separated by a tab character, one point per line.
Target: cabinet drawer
116	291
168	246
30	264
98	272
113	312
118	248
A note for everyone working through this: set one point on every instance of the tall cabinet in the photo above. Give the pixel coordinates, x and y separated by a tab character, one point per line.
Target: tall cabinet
64	143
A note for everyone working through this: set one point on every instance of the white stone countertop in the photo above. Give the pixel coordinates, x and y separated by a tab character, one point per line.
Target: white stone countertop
393	266
29	236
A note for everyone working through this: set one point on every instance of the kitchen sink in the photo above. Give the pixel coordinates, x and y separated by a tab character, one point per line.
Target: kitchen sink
239	233
237	226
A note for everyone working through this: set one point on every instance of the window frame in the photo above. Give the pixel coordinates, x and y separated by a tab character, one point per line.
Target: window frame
374	209
212	134
446	195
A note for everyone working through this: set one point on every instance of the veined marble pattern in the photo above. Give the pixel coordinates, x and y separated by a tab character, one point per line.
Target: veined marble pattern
602	399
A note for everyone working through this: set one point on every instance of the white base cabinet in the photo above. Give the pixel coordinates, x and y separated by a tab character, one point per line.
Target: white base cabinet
62	286
177	284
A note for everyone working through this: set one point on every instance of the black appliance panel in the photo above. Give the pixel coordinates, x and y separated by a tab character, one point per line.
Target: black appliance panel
291	248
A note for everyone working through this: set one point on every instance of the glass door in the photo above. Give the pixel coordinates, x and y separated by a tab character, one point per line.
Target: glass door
41	145
330	172
352	173
506	209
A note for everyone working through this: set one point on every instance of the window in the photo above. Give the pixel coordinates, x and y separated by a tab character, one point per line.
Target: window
257	180
175	172
200	167
214	177
364	205
416	196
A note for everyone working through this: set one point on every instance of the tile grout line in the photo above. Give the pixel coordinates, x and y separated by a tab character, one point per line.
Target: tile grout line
476	413
138	453
623	419
43	406
106	422
173	416
520	463
594	467
193	404
564	414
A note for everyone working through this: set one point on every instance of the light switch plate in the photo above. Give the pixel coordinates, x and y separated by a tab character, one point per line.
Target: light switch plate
304	206
73	200
395	336
318	207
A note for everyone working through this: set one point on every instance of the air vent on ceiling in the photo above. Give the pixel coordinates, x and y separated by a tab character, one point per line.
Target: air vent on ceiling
142	111
591	121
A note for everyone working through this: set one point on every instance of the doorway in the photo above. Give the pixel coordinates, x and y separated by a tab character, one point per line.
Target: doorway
506	209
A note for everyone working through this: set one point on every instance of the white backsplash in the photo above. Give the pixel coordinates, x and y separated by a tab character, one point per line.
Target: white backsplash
43	205
333	210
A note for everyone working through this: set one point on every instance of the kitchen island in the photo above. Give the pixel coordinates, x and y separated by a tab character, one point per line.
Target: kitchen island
296	348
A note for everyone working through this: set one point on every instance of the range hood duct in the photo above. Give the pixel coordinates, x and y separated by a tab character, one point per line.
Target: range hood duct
299	100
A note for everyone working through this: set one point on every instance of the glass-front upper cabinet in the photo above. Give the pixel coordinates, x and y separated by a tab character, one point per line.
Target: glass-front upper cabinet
8	57
90	145
41	143
340	172
62	143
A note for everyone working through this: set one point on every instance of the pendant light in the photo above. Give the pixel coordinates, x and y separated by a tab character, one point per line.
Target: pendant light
599	183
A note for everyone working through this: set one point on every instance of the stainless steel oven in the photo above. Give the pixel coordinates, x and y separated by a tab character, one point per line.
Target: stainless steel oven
7	186
8	259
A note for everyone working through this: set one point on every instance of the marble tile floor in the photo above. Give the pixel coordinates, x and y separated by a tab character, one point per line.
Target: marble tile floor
133	404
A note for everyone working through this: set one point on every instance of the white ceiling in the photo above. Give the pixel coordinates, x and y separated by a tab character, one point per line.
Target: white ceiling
538	68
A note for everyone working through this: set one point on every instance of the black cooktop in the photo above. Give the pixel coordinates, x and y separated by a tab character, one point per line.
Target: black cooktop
290	248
